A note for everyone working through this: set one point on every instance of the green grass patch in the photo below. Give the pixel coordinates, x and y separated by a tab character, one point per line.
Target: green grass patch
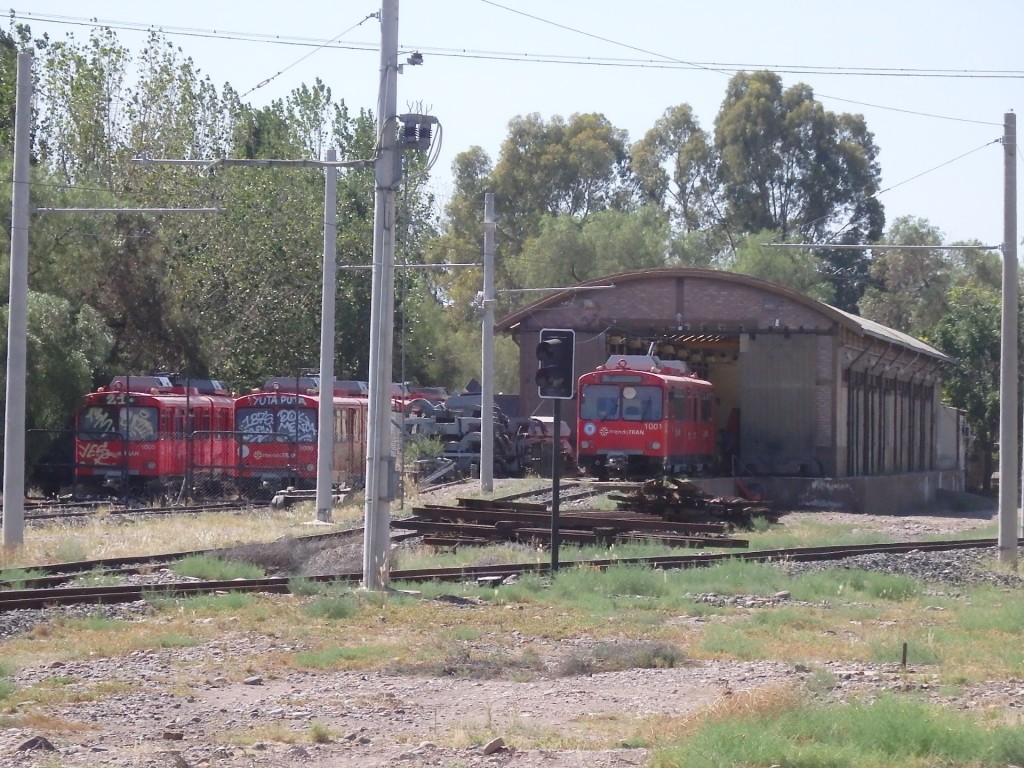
97	622
333	607
854	584
19	578
215	568
175	641
342	656
98	577
888	733
232	601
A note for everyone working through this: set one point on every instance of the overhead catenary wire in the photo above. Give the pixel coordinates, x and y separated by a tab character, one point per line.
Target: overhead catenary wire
547	58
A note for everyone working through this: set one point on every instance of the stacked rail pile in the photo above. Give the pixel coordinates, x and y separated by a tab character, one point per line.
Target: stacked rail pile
680	500
481	521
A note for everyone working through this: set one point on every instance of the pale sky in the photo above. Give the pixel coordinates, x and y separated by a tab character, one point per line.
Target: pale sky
486	61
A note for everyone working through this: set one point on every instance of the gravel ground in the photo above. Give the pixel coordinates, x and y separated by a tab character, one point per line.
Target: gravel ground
381	719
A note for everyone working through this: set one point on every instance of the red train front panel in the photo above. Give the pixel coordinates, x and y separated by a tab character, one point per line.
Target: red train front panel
117	438
149	442
640	422
277	434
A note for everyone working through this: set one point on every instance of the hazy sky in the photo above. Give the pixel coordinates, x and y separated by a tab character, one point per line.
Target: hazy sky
933	78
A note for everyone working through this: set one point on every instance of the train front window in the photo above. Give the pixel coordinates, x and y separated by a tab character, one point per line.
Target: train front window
599	402
269	425
297	424
641	404
112	421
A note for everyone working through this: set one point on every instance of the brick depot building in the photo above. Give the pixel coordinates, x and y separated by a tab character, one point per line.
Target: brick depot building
828	407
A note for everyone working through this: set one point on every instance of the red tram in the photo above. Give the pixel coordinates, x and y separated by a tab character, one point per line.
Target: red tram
144	435
640	416
277	430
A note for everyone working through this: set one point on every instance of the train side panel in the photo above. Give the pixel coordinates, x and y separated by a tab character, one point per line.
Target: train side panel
278	441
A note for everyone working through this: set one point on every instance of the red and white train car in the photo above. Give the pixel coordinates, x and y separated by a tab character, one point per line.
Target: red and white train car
144	435
641	417
277	429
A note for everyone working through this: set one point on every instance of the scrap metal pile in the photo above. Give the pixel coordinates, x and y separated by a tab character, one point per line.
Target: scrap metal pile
681	500
480	522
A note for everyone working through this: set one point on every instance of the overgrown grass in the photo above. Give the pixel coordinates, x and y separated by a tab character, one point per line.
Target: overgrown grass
103	536
343	657
18	578
7	686
891	731
202	604
593	621
215	568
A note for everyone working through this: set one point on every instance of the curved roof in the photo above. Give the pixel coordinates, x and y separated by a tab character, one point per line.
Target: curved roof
858	325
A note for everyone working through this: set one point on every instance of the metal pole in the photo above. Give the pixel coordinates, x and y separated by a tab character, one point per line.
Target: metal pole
379	461
17	320
325	421
556	474
487	354
1008	464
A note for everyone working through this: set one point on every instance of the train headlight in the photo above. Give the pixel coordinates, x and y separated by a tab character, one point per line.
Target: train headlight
589	429
584	443
655	446
151	465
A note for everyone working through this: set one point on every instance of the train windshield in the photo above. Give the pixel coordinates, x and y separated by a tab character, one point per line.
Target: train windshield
106	422
602	402
276	425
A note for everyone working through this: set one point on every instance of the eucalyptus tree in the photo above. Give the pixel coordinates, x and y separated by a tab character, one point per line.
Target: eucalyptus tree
675	165
909	286
568	251
796	269
575	167
969	333
787	164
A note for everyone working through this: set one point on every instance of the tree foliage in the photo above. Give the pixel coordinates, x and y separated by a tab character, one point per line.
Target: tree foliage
237	295
911	286
969	333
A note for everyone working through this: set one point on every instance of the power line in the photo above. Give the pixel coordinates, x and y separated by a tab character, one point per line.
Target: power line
303	58
665	62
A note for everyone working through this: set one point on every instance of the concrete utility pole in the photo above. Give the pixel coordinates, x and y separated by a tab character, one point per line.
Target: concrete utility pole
17	327
325	416
487	354
1008	466
380	463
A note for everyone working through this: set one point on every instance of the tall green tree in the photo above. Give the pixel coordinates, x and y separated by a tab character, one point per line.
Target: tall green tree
568	251
793	268
969	332
675	166
789	165
911	286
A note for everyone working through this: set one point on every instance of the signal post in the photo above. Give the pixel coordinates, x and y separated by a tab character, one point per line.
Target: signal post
556	381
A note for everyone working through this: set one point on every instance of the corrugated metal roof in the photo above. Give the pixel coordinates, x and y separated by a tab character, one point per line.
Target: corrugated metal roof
884	332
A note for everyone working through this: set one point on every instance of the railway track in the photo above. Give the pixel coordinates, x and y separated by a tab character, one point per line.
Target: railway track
46	597
38	511
52	575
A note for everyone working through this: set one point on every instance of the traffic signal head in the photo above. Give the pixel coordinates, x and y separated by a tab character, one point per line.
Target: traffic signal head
556	351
